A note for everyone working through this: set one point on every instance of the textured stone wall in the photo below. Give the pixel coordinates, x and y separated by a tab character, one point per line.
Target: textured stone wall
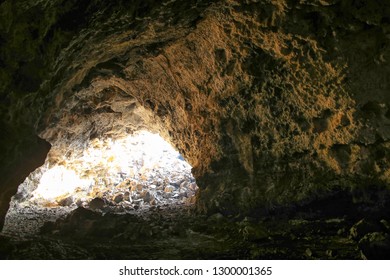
275	104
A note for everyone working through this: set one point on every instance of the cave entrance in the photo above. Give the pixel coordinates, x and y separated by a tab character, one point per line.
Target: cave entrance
128	174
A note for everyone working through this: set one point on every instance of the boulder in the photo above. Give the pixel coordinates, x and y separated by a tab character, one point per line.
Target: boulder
66	201
97	204
118	198
169	189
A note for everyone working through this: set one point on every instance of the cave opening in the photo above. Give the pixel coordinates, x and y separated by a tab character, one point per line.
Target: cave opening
128	174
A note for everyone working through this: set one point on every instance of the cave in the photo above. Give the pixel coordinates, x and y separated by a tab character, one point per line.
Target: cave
276	115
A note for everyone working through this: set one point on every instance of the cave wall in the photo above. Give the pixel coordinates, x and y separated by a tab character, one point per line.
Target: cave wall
274	103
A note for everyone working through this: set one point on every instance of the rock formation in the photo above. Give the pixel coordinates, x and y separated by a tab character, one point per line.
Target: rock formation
276	104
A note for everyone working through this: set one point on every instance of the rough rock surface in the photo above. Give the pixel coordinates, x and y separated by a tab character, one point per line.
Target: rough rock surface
176	233
276	104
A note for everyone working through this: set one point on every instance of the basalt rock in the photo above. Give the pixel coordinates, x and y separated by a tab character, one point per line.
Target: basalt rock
275	104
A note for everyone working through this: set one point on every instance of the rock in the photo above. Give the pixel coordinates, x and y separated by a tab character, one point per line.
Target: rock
137	201
169	189
176	184
341	231
386	224
146	196
375	246
97	204
193	186
136	188
118	198
190	200
363	227
126	196
249	229
135	196
308	252
132	184
81	202
122	185
183	193
175	195
185	185
67	201
254	232
330	253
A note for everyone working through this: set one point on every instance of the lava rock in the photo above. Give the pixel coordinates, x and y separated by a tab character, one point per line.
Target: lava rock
185	185
254	232
146	196
308	252
139	187
79	202
386	224
136	188
67	201
363	227
118	198
193	186
126	196
169	189
183	193
97	203
375	246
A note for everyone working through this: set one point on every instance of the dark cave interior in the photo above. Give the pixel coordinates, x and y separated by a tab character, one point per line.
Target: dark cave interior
276	117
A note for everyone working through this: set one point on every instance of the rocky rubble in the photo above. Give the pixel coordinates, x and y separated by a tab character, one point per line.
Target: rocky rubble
130	195
127	176
26	221
373	238
176	232
27	218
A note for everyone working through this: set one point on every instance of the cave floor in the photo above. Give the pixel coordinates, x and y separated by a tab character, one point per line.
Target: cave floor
177	232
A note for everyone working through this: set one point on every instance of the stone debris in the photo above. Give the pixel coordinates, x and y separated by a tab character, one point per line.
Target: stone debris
26	221
67	201
137	178
375	245
363	227
96	203
118	198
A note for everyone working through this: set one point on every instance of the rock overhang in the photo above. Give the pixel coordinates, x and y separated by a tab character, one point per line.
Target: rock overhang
268	102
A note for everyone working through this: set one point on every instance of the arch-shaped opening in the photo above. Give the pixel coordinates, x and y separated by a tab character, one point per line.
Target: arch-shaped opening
107	156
